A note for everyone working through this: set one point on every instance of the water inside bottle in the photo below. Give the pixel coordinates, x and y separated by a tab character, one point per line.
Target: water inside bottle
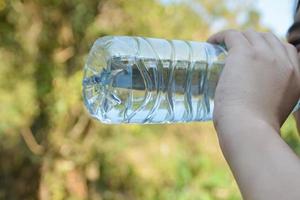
145	90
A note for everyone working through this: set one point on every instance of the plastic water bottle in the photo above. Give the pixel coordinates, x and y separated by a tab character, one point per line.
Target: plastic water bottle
149	80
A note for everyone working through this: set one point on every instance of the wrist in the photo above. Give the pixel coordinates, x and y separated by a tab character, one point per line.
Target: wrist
239	118
245	132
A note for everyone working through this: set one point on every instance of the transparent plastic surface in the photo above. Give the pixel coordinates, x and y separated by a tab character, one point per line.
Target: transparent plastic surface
148	80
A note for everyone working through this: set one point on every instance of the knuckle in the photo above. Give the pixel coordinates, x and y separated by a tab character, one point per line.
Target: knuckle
290	70
252	54
290	46
273	61
258	52
257	49
243	53
249	30
233	33
269	35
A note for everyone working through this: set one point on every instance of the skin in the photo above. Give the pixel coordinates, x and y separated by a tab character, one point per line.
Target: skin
297	118
293	36
258	88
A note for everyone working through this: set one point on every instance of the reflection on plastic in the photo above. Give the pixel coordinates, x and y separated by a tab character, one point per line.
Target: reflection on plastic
147	80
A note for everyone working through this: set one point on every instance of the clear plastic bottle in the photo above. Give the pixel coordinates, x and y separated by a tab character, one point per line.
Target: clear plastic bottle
149	80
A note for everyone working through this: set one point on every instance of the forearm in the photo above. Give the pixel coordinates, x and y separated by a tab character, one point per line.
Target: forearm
263	164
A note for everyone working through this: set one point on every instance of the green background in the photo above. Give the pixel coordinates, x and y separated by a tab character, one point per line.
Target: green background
51	149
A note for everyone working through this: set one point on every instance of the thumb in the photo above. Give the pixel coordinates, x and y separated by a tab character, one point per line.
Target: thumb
230	38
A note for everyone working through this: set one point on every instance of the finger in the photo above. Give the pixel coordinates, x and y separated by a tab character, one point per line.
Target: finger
293	55
230	38
255	39
276	45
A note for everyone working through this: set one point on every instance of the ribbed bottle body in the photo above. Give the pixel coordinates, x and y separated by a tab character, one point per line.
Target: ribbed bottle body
148	80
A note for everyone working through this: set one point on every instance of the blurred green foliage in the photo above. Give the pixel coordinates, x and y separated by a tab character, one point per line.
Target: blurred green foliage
51	149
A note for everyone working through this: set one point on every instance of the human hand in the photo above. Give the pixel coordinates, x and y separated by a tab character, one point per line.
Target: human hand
297	119
260	79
